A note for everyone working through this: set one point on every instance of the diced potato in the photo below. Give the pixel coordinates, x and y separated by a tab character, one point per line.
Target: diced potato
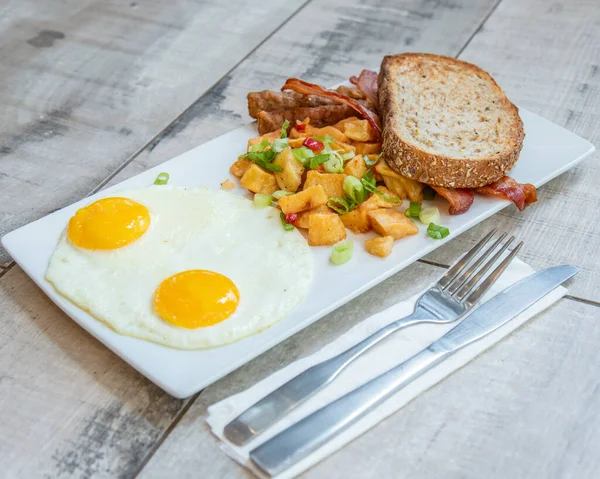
270	137
258	180
302	221
325	229
332	183
400	185
228	184
358	220
375	201
366	148
342	147
380	246
326	130
297	143
240	167
303	200
291	177
389	222
340	125
356	167
359	130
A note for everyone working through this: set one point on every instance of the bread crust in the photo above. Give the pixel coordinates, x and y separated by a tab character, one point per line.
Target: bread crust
441	170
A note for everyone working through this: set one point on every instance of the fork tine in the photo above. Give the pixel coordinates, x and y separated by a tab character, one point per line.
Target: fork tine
491	279
462	263
460	281
468	286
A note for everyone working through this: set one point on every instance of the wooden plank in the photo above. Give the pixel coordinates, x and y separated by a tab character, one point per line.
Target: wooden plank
547	58
70	407
526	408
87	83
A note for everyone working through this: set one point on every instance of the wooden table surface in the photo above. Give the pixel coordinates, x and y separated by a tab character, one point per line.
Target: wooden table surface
94	91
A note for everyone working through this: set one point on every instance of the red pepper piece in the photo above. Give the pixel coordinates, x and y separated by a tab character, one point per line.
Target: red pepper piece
291	218
313	144
301	127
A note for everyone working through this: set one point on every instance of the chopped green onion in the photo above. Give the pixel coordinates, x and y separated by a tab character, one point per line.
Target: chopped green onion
340	205
334	165
413	210
302	153
347	156
436	231
428	193
342	252
354	189
262	146
279	193
286	226
284	127
368	181
386	197
280	144
269	166
429	215
162	178
262	201
314	162
370	162
263	159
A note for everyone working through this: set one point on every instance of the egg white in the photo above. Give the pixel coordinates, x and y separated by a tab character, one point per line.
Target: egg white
190	228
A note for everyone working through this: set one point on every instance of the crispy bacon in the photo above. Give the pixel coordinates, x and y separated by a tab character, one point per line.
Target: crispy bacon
521	195
460	199
367	83
306	88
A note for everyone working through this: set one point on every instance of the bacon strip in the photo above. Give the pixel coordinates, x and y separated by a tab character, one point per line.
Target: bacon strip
460	199
521	195
306	88
367	83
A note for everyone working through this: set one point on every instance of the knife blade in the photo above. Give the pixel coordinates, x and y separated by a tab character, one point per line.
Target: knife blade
307	435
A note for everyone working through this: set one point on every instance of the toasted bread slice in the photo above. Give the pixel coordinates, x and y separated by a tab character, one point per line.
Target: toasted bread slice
446	122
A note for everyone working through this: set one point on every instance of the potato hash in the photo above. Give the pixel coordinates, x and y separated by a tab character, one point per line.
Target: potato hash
326	180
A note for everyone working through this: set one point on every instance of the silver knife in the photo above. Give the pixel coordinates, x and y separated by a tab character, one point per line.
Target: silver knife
307	435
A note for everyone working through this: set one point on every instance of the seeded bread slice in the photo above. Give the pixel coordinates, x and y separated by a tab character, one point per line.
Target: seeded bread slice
446	122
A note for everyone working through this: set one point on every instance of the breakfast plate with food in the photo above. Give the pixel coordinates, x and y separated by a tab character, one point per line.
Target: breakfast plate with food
194	267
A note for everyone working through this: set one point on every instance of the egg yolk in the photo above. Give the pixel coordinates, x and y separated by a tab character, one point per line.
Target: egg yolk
109	223
196	298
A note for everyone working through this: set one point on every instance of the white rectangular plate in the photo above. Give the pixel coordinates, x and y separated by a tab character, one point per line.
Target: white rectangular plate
549	150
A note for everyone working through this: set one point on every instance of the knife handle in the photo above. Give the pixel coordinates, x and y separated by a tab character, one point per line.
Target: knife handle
306	436
275	405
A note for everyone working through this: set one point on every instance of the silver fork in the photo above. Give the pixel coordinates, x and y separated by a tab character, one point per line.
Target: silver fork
452	296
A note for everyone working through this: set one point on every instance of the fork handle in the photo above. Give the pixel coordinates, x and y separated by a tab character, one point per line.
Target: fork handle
306	436
275	405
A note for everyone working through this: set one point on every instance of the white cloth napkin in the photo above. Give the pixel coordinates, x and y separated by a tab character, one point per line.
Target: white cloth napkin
390	352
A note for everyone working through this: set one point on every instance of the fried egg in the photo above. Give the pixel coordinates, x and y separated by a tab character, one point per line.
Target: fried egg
188	268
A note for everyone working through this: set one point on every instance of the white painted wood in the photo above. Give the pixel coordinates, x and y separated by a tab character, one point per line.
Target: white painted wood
70	407
85	84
